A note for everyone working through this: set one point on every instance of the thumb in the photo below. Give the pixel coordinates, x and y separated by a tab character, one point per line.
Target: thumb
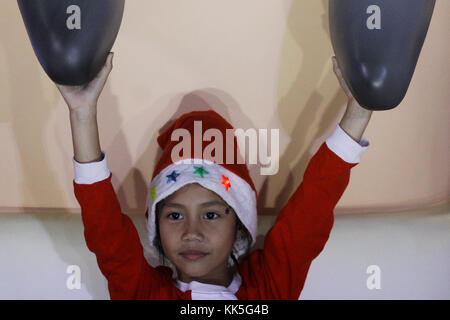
340	77
99	81
107	67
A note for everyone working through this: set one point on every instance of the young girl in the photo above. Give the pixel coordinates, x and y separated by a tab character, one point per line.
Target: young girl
201	213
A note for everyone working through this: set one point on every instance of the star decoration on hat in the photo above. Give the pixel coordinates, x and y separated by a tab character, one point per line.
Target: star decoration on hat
154	193
200	171
172	177
226	182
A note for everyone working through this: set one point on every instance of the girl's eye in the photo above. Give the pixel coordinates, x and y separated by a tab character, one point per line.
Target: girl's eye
175	216
211	215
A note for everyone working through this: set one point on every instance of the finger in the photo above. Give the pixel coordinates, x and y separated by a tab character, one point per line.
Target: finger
100	80
336	68
58	86
107	67
108	64
62	89
341	79
338	73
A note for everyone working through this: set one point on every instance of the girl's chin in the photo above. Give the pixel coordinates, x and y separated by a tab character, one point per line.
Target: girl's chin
193	272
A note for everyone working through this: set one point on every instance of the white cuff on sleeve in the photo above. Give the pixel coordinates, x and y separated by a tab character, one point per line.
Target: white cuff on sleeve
90	173
345	147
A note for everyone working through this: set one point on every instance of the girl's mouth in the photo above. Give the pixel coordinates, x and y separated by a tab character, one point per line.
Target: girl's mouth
193	255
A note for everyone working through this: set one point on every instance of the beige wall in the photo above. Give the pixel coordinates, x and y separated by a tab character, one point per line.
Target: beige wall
261	64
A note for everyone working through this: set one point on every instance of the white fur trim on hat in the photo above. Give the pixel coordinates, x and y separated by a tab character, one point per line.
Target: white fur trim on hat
240	196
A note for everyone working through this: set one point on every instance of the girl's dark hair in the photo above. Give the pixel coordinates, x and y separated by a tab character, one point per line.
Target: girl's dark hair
239	227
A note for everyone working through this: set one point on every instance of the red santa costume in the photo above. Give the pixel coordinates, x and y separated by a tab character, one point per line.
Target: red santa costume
278	271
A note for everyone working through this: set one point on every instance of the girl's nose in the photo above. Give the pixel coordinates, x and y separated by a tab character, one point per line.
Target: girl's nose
192	231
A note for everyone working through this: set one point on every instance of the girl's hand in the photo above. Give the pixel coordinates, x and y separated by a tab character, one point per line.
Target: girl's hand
356	118
341	79
83	99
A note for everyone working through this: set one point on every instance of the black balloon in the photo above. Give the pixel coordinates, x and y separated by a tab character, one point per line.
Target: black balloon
377	44
72	38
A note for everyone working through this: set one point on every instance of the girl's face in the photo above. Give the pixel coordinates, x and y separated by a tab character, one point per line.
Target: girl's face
197	230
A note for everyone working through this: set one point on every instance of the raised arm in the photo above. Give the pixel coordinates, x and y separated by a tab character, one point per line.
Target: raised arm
109	234
82	103
302	228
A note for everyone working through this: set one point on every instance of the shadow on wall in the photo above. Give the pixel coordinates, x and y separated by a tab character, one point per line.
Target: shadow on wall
304	96
24	117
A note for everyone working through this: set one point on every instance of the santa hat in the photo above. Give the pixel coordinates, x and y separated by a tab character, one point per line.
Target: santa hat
220	173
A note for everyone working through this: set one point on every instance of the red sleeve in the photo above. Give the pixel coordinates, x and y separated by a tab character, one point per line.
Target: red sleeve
113	238
300	231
